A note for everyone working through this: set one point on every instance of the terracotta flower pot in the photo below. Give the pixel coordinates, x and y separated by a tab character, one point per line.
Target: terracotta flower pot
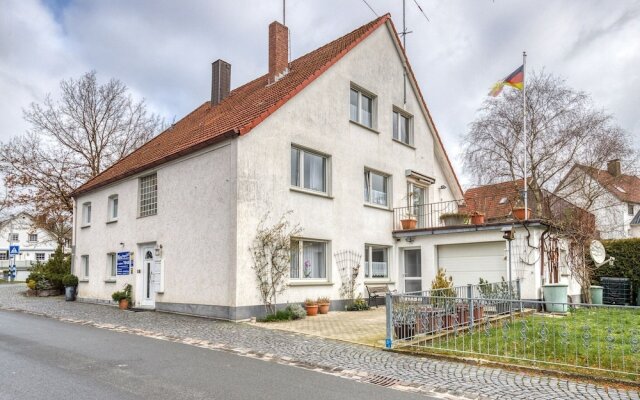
519	213
409	223
477	219
123	304
323	308
312	311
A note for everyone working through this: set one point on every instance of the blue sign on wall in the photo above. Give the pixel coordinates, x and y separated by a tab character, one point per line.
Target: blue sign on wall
123	263
14	250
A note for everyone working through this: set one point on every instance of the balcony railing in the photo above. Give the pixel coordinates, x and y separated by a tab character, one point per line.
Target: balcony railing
489	209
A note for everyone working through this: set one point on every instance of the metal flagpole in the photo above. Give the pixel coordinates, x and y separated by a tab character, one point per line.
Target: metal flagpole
524	130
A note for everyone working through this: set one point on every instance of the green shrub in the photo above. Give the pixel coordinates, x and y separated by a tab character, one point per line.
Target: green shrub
49	275
280	315
122	294
296	311
359	304
70	280
627	263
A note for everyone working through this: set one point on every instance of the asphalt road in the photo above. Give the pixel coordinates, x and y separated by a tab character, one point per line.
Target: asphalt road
41	358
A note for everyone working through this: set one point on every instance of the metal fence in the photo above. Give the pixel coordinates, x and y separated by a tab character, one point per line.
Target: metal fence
572	337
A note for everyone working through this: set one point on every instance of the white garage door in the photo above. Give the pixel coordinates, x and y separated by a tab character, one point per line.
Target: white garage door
469	262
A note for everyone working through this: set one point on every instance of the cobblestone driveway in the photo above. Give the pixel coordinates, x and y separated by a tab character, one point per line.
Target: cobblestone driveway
428	375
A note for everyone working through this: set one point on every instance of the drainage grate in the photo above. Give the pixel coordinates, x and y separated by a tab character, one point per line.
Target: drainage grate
380	380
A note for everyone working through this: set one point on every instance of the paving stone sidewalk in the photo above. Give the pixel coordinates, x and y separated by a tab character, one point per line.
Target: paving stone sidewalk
429	375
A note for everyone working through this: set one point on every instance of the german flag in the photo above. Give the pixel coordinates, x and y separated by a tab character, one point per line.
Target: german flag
515	79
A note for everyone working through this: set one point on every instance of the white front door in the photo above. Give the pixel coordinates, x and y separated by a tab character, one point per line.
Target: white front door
412	270
148	295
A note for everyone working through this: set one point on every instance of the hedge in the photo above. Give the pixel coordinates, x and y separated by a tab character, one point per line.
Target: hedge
627	263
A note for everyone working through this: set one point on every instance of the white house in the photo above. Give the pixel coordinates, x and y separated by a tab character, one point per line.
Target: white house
613	197
35	244
335	136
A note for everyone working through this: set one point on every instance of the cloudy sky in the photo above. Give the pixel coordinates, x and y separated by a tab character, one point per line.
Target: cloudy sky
162	49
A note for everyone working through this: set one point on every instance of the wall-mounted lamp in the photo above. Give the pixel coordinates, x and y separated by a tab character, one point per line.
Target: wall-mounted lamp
122	244
409	239
159	250
442	187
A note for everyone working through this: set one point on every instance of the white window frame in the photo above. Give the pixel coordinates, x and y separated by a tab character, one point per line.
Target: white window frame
147	203
374	105
300	169
32	238
14	237
85	265
300	269
396	124
112	266
631	209
86	213
368	249
44	256
367	188
4	255
112	205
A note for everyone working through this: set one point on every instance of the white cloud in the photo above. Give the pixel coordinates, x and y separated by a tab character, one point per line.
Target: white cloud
162	49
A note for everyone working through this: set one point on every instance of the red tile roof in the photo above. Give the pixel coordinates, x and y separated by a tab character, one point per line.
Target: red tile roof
629	184
495	201
241	111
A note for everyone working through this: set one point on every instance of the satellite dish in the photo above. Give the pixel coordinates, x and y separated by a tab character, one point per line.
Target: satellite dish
597	251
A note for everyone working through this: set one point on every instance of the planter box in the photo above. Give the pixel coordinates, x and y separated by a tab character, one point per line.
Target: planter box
409	223
555	297
477	219
519	213
453	220
596	294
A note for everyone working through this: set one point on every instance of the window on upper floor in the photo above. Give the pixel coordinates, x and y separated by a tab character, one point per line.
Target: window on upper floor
402	127
40	256
33	237
631	209
308	259
112	208
376	188
14	237
86	214
309	170
148	195
376	261
362	107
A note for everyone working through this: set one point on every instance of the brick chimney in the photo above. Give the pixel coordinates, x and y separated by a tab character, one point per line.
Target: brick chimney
220	81
613	167
278	51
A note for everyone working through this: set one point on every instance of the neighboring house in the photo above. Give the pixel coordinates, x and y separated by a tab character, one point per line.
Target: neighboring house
333	136
469	251
36	244
613	197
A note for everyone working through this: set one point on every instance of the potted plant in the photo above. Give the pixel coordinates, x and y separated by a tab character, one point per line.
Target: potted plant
477	218
409	221
123	297
323	305
454	218
70	283
312	307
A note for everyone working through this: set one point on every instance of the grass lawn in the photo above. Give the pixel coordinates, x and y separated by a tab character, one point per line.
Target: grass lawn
597	340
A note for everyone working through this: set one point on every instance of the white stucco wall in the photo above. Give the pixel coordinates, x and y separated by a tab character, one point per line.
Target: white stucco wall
318	119
195	225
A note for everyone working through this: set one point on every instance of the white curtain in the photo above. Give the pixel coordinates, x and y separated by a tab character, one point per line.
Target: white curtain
314	264
314	167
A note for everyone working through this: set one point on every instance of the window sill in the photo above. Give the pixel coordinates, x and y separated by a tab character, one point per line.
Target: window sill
85	226
377	207
311	192
310	283
109	281
147	216
84	280
404	144
113	221
379	280
364	126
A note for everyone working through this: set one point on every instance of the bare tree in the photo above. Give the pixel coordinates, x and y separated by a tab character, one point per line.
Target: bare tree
563	128
271	251
71	140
